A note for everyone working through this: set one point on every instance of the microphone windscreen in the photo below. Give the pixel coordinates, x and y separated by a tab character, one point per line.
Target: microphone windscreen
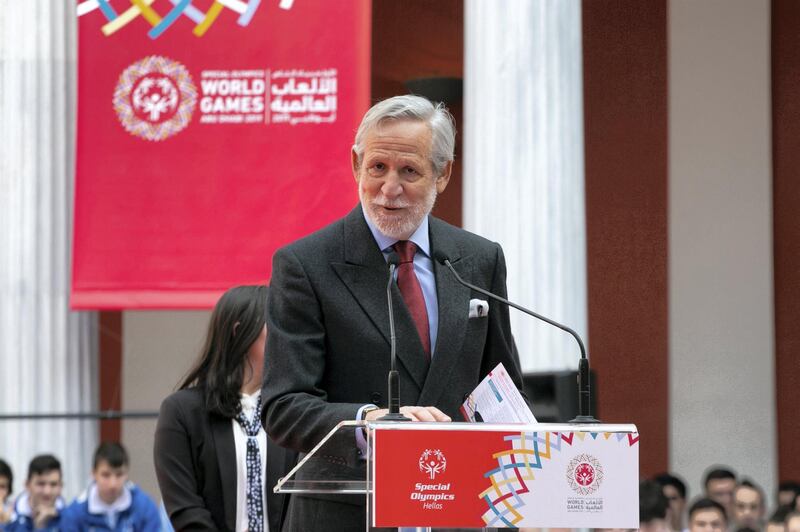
393	259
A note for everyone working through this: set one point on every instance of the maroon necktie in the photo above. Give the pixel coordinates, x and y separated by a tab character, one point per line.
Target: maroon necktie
412	292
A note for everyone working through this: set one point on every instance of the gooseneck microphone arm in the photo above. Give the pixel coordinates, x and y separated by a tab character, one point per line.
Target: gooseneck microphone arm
584	387
394	380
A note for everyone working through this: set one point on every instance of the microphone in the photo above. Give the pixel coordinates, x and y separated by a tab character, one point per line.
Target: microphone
584	387
394	380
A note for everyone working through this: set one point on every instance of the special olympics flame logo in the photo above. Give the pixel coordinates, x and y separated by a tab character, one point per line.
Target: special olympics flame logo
584	474
154	98
432	462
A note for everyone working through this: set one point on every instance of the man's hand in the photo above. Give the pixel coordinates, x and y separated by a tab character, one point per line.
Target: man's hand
416	413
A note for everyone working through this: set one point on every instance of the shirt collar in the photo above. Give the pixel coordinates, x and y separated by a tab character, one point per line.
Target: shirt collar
420	237
22	506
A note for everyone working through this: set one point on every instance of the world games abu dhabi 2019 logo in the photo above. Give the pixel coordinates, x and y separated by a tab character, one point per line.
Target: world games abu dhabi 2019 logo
155	98
432	462
584	474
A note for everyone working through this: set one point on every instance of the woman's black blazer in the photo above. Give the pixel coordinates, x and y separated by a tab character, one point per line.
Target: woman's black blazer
195	461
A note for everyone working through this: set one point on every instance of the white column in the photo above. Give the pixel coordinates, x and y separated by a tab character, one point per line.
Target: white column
47	353
523	162
722	389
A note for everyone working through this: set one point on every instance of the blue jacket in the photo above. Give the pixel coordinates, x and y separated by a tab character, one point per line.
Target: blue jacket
141	516
21	520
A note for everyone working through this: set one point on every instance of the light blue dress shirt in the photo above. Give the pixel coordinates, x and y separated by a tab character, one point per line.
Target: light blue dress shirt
423	267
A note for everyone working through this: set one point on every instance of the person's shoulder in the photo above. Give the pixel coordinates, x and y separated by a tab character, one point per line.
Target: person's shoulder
137	492
74	513
20	518
188	400
186	396
140	499
467	241
17	523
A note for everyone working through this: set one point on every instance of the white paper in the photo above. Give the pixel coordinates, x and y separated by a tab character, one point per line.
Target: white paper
497	400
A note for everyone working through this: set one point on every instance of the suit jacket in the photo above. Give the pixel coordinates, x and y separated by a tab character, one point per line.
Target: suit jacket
328	350
195	460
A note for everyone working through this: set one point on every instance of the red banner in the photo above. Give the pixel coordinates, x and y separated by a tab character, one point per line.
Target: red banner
210	133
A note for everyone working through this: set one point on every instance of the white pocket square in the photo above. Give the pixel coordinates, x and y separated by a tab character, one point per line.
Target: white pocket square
478	308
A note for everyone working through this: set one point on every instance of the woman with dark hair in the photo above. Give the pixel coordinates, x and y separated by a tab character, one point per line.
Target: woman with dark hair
214	462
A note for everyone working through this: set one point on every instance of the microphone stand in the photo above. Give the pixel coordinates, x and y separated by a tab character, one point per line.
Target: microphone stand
394	379
584	386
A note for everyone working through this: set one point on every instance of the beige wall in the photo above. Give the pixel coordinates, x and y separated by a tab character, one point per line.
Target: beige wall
720	240
158	348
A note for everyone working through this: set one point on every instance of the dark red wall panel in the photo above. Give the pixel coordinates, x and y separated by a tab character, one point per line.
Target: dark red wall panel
625	111
786	198
110	372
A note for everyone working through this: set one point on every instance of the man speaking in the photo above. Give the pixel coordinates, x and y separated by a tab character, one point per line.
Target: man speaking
328	350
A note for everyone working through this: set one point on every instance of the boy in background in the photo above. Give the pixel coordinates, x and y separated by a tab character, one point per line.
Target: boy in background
707	515
112	502
39	506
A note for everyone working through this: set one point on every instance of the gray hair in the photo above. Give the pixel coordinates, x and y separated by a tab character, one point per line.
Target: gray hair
412	107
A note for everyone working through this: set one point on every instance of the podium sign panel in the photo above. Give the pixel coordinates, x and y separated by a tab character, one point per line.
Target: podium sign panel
475	475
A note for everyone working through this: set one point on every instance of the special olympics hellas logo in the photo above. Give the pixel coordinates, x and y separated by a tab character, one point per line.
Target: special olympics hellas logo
155	98
584	474
432	462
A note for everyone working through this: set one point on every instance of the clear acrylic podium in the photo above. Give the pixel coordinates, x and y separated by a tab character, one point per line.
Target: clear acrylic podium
474	475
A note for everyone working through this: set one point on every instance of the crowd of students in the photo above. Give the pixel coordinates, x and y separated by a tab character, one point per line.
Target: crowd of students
728	503
110	502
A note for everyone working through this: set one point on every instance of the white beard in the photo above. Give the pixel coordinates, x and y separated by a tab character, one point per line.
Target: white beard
399	227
